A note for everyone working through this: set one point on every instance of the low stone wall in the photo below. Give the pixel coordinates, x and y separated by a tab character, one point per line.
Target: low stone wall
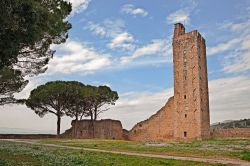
233	132
26	136
101	129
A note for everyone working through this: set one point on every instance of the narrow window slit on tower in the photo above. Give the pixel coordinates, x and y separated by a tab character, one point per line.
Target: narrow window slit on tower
185	134
185	96
185	115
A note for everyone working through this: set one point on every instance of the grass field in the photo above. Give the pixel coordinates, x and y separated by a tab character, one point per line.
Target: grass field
212	148
21	154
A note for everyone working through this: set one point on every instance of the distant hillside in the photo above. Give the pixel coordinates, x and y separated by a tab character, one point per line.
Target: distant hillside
243	123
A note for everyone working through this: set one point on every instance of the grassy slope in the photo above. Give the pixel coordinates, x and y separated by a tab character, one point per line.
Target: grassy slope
212	148
20	154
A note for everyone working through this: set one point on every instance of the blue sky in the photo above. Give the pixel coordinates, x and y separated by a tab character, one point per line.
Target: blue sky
127	45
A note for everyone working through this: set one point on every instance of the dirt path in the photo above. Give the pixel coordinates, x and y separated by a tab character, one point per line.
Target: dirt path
222	161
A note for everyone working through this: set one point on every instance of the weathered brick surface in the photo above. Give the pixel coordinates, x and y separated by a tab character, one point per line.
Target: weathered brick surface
234	132
190	85
186	115
158	127
101	129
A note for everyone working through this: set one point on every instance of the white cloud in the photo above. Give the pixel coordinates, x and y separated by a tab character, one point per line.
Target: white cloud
182	15
229	98
223	46
237	62
96	29
122	40
240	41
156	47
131	9
242	26
152	48
113	30
79	5
236	49
77	57
237	58
108	28
179	16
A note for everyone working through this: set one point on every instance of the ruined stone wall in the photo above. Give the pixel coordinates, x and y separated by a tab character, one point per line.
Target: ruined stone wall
234	132
159	127
101	129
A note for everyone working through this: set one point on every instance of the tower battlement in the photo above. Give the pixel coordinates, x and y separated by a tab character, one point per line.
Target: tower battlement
179	30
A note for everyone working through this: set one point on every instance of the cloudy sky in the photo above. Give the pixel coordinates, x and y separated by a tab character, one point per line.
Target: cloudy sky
127	46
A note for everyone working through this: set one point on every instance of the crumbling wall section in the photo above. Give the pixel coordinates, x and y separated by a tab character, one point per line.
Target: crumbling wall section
101	129
159	127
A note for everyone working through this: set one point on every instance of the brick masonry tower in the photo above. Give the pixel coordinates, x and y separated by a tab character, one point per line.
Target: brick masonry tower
191	101
185	116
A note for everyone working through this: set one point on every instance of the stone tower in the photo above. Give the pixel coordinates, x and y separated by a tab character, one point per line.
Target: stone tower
191	101
185	116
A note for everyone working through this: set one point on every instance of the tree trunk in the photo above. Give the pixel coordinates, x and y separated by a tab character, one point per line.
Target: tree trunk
76	125
75	129
91	116
92	123
93	128
95	117
58	124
